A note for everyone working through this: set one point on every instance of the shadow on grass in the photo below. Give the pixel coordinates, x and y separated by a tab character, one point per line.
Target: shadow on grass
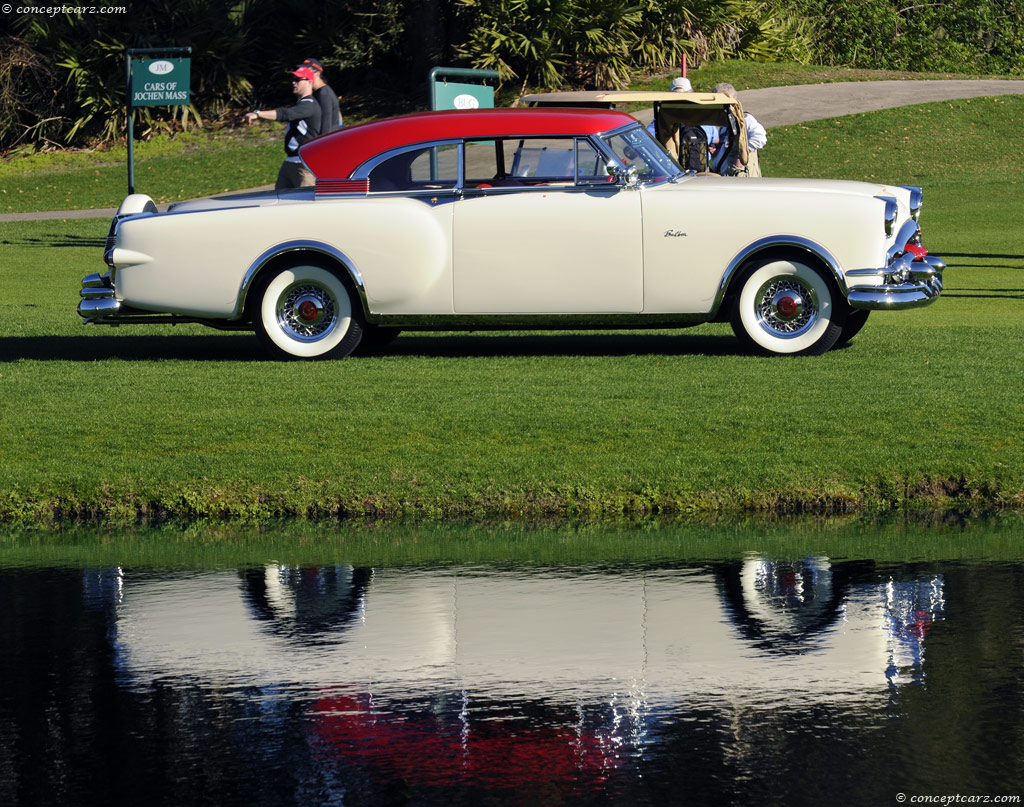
986	294
56	241
561	344
213	347
245	347
982	256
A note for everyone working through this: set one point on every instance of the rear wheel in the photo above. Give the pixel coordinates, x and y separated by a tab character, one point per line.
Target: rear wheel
789	308
306	312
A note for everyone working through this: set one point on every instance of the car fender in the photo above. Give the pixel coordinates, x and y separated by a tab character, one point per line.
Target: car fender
776	244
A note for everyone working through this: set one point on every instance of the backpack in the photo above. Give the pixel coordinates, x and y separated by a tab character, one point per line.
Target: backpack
693	148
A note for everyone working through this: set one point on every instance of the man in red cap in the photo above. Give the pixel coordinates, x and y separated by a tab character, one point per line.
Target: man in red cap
303	124
330	113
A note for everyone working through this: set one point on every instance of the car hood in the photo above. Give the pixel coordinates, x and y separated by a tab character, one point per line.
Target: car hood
774	185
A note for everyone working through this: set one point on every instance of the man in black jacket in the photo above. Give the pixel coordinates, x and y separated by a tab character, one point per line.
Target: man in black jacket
303	124
330	112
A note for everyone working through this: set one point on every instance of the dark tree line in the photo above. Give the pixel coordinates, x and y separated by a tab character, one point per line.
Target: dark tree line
62	77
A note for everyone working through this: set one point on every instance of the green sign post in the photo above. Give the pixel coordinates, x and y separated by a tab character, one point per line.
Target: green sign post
154	77
446	94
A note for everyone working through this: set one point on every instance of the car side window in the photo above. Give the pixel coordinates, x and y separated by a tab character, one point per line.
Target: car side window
520	162
590	165
427	169
548	160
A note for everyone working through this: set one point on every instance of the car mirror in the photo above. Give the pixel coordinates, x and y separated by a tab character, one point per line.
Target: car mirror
627	177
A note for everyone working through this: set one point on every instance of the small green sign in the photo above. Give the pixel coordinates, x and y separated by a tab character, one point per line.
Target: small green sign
160	82
455	95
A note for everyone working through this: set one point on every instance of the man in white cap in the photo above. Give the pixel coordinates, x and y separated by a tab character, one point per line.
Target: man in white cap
679	84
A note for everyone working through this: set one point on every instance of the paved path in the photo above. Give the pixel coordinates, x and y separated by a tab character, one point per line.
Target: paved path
782	106
773	106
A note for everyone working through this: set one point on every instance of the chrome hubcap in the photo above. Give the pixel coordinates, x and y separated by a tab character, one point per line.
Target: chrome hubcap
785	307
307	312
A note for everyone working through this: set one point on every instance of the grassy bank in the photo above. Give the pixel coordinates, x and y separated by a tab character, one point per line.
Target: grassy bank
923	409
891	538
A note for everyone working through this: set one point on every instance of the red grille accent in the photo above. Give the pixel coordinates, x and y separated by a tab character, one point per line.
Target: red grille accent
342	186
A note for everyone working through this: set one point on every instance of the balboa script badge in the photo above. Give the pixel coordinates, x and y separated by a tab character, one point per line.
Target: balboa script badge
675	234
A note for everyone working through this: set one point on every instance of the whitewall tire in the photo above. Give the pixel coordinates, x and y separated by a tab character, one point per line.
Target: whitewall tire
789	308
306	312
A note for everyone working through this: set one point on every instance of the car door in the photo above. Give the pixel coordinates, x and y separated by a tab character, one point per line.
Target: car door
540	230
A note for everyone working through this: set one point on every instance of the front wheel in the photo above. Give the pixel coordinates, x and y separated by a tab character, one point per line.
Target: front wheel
855	320
375	339
789	308
306	312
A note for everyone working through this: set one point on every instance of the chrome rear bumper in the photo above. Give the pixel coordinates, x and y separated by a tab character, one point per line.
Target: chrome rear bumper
98	302
907	283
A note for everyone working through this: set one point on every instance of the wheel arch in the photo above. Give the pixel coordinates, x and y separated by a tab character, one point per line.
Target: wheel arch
774	248
317	253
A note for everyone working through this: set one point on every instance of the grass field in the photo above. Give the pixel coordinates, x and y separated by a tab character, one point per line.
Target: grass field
923	409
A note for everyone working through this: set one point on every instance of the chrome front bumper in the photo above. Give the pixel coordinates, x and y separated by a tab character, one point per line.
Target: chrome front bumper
906	283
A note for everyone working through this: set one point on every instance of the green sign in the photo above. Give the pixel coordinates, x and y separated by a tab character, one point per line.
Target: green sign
160	82
454	95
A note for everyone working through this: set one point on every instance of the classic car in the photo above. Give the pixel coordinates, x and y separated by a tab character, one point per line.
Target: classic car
536	218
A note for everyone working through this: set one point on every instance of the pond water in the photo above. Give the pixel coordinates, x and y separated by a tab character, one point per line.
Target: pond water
735	665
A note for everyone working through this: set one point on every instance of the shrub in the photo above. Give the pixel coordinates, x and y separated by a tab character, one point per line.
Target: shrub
954	36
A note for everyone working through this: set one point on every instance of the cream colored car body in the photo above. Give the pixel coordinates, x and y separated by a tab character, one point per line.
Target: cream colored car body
615	248
668	252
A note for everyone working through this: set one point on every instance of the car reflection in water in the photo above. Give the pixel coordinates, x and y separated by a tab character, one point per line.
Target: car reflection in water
501	678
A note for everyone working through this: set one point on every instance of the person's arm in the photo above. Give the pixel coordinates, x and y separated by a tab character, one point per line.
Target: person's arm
305	109
261	114
756	135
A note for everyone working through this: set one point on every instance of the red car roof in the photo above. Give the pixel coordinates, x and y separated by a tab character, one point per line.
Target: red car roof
338	154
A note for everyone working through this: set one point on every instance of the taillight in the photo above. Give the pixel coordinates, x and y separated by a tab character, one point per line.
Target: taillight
916	250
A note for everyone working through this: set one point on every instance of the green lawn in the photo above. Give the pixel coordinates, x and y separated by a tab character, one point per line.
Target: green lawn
924	408
168	169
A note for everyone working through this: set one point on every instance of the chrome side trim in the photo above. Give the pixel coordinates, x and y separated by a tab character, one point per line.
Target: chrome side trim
363	171
299	246
772	242
536	322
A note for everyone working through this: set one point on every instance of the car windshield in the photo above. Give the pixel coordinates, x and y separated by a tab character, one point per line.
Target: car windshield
636	147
